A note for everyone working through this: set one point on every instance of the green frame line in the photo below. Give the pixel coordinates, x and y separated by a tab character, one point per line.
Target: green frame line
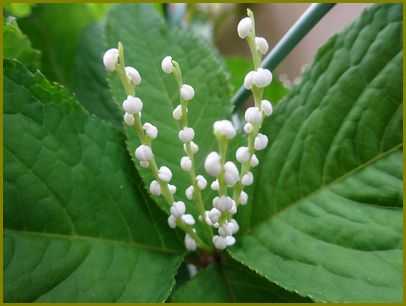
287	43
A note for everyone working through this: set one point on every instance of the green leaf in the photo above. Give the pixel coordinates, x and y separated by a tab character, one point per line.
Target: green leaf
18	46
90	84
78	225
328	206
239	67
18	9
147	40
55	30
229	282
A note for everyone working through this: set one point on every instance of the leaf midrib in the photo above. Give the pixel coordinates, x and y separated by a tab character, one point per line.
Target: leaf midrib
130	244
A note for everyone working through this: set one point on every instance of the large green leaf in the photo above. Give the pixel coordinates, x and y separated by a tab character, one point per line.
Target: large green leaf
18	46
327	214
147	40
55	30
229	281
78	224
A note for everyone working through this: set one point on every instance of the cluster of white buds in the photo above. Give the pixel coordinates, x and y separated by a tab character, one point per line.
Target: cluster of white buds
113	60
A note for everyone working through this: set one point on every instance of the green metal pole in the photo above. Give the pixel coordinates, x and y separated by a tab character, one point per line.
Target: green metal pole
295	34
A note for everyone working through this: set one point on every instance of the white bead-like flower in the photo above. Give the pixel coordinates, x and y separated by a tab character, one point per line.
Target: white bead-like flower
266	107
212	164
172	188
110	59
144	163
144	153
243	198
212	216
262	78
186	163
150	130
186	134
215	185
247	179
201	182
155	188
224	128
248	128
189	192
167	65
223	203
242	154
165	174
261	45
229	228
230	240
233	209
172	221
177	112
129	119
249	79
190	243
132	105
244	27
253	115
188	219
254	161
231	174
261	141
133	75
178	209
219	242
193	147
187	92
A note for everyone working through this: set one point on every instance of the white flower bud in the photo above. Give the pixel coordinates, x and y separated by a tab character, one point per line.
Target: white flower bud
178	209
253	115
144	164
144	153
132	105
229	228
167	65
172	188
223	203
187	92
249	79
150	130
155	188
261	45
190	243
233	209
247	179
214	215
261	141
177	112
215	185
186	163
206	218
224	128
133	75
110	59
186	134
230	240
234	226
248	128
212	164
262	78
189	192
219	242
129	119
244	27
266	107
243	198
231	174
193	147
188	219
242	154
201	182
254	161
165	174
172	221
